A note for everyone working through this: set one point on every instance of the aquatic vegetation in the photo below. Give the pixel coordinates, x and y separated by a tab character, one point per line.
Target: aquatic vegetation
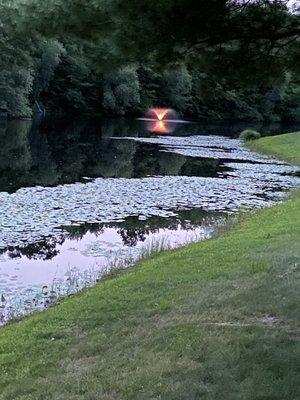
176	322
217	147
17	304
31	214
40	214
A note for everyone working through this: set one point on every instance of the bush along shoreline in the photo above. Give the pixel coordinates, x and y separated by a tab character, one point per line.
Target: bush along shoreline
215	319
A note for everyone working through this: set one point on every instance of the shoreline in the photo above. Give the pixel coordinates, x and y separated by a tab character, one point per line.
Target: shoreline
281	146
174	324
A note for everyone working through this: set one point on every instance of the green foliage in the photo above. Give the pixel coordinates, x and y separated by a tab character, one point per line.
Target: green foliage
118	57
121	92
290	108
74	87
249	134
16	66
16	80
15	87
48	58
176	88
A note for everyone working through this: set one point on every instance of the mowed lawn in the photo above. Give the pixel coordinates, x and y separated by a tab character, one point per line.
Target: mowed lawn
285	146
214	320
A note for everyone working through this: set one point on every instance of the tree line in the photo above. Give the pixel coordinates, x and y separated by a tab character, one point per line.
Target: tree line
221	59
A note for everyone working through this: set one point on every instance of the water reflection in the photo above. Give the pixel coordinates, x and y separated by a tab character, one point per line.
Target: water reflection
51	153
160	127
34	276
130	232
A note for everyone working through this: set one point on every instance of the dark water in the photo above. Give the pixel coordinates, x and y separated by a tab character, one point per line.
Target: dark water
53	152
117	217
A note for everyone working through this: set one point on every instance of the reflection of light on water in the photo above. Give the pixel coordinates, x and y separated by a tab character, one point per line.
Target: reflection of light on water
160	126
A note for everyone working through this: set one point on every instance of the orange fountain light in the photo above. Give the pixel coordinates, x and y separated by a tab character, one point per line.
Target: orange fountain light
160	112
161	120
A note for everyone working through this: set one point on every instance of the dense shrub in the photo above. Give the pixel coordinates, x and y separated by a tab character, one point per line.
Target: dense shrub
249	134
121	92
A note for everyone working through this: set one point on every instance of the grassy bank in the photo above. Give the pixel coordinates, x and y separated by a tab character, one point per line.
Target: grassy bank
285	146
214	320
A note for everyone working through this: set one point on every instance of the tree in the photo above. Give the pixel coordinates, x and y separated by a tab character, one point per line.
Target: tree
48	57
121	92
245	35
217	59
176	87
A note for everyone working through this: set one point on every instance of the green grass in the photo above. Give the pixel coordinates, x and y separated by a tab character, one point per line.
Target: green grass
214	320
285	146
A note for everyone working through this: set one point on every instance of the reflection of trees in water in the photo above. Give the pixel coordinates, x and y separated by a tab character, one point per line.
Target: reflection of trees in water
15	147
136	231
69	150
44	171
113	158
80	150
132	231
150	160
45	249
78	232
49	153
15	154
170	163
24	156
121	127
145	160
201	167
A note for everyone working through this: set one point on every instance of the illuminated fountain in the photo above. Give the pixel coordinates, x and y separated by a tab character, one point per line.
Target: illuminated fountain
161	120
162	114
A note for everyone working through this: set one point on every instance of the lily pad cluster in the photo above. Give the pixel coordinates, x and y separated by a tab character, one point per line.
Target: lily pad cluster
35	214
31	214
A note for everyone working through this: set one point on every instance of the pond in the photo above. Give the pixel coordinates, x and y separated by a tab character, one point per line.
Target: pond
80	197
